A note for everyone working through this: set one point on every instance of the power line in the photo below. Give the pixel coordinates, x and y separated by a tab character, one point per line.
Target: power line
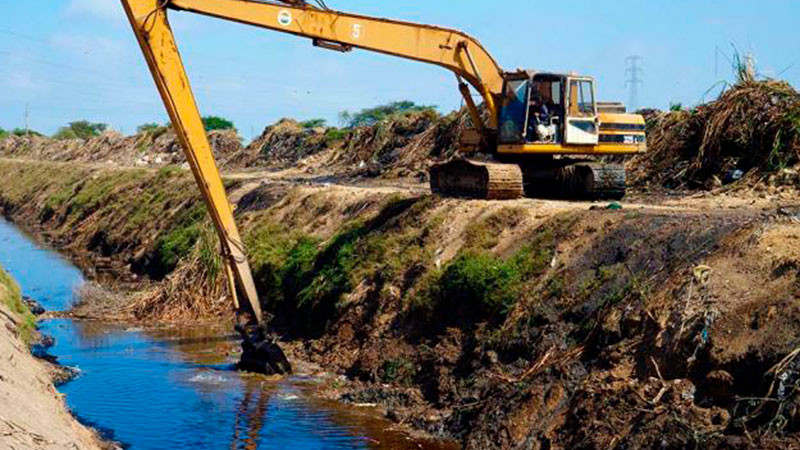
633	81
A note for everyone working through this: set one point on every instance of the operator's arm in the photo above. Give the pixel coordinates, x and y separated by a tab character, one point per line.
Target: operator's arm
451	49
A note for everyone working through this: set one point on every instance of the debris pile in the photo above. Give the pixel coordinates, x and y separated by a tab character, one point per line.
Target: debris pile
153	148
751	131
401	146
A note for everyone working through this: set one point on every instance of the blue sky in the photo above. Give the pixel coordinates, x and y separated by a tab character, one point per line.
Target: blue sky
77	59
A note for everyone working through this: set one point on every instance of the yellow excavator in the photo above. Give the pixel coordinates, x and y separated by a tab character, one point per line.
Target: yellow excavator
539	127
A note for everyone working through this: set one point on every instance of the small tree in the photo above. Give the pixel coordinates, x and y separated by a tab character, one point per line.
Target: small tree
212	123
3	133
313	123
148	127
344	118
81	129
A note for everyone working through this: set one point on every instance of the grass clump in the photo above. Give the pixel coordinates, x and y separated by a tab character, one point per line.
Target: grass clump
178	243
336	135
478	282
481	286
10	295
281	260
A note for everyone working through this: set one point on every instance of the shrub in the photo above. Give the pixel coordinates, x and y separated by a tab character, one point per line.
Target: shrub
212	123
24	132
398	370
151	127
65	133
335	134
170	248
81	129
479	283
313	123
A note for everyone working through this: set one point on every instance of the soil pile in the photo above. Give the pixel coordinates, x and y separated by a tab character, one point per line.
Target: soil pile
752	130
403	146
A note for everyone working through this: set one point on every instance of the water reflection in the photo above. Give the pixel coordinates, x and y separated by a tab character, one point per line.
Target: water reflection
250	417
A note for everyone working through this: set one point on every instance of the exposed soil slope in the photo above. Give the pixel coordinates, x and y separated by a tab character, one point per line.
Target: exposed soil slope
503	324
32	414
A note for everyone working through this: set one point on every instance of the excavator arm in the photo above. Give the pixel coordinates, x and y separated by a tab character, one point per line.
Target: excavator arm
149	21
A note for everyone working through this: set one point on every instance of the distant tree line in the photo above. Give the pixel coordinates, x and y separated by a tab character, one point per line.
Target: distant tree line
371	116
84	129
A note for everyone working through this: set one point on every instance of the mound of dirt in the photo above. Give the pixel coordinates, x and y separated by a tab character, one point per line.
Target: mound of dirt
516	324
403	146
284	143
753	129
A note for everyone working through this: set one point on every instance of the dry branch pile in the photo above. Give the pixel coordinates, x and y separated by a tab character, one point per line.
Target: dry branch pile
754	127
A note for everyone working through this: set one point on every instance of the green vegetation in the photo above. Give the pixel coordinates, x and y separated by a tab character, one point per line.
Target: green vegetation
18	132
372	116
24	132
150	127
217	123
675	106
10	295
81	129
398	370
313	123
482	285
336	134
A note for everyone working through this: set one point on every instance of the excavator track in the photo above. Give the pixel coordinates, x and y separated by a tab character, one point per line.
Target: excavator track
505	181
477	179
575	180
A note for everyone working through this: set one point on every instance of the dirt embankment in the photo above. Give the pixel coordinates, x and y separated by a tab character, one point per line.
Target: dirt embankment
32	414
154	148
747	139
502	324
403	146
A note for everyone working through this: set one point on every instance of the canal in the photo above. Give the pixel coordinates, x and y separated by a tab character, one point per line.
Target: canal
158	388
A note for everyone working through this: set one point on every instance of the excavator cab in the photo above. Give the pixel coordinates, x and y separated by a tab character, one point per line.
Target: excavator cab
548	109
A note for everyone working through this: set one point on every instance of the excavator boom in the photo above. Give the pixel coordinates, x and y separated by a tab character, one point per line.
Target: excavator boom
448	48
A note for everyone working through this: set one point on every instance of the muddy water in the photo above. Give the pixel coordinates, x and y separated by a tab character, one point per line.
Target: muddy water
175	388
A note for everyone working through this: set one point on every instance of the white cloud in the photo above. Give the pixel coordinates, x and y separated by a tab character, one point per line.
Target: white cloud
97	9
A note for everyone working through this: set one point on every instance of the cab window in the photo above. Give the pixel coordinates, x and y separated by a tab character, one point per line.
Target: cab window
512	116
581	98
